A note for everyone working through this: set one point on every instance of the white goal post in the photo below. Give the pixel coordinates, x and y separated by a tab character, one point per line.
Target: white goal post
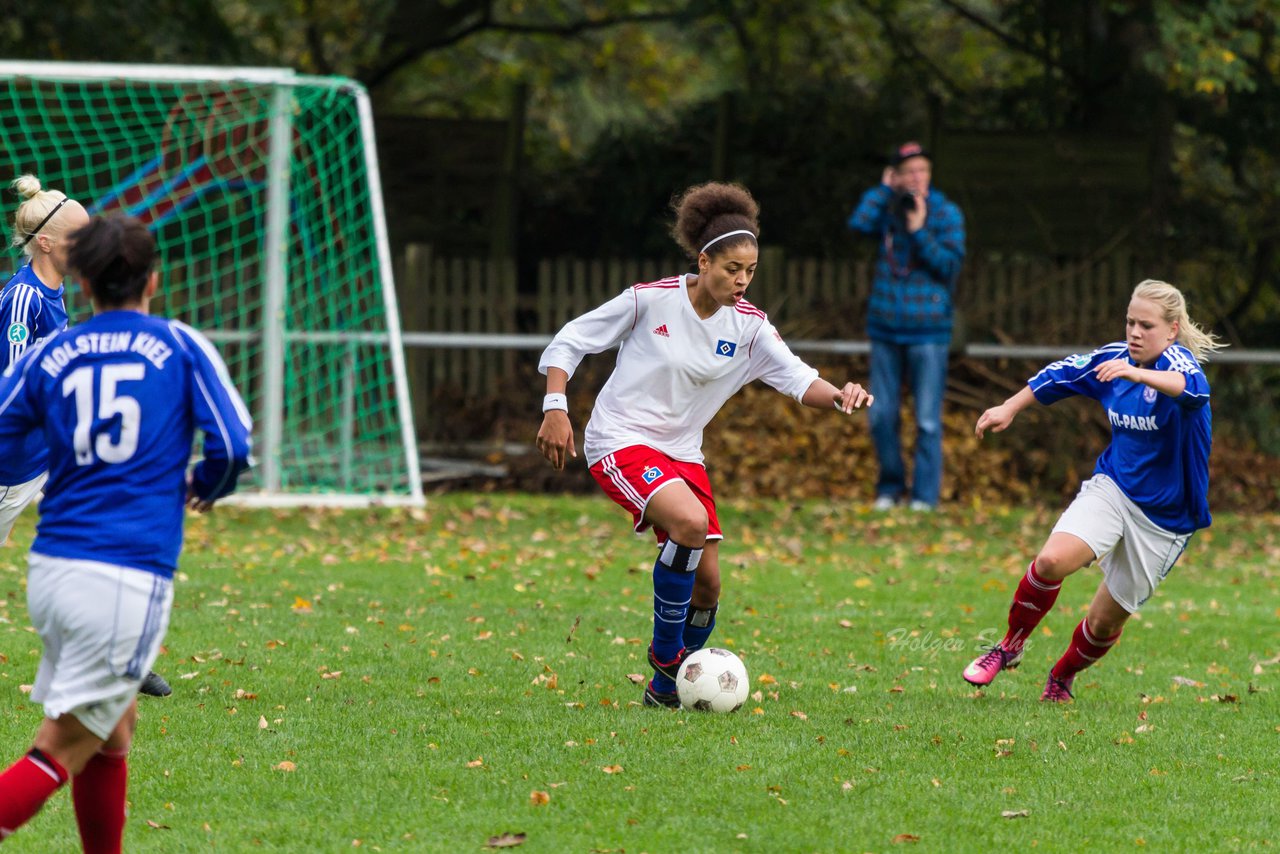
263	191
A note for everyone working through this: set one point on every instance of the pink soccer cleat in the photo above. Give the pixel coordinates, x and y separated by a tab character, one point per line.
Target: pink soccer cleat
1058	690
984	668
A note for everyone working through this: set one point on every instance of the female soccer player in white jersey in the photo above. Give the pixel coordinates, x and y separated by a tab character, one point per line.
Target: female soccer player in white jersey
118	400
686	345
1148	493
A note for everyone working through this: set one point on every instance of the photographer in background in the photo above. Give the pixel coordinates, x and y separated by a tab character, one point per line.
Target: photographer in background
909	317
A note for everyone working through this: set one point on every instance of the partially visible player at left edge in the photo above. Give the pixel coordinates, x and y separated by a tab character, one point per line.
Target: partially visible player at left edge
31	309
118	399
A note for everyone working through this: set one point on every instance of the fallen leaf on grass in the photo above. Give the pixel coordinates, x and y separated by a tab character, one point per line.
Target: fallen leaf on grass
905	837
301	606
262	722
1014	813
612	769
801	715
157	825
478	762
506	840
285	766
1225	698
539	799
636	678
1190	683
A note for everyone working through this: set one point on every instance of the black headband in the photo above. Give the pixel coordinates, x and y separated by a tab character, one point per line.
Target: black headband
44	221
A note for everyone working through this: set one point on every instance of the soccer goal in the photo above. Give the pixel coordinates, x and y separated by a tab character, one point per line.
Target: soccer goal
262	189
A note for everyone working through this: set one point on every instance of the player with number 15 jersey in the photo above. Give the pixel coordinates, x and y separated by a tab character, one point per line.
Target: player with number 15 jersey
118	400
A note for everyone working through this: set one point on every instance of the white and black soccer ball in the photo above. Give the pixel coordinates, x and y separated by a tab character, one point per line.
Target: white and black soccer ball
712	680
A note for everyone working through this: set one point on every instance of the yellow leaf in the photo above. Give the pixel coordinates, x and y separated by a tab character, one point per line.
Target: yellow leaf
862	583
539	799
285	766
612	769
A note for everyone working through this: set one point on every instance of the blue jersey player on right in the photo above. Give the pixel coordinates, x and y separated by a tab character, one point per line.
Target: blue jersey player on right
118	400
1148	493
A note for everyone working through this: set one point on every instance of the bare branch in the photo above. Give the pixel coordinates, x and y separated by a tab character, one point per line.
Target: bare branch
906	47
416	31
1013	41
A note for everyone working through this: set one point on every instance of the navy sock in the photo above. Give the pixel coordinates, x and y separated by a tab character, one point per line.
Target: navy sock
698	627
673	575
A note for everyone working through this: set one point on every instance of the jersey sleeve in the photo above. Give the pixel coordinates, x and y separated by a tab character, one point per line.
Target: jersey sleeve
594	332
20	323
220	412
1073	375
20	411
773	362
1179	358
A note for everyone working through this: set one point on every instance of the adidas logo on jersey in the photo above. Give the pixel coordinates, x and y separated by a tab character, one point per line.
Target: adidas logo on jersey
662	330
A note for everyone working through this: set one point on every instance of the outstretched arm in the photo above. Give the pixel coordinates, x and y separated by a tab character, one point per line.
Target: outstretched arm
822	394
998	418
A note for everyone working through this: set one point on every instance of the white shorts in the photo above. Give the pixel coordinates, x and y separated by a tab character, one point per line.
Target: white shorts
101	626
1135	553
14	499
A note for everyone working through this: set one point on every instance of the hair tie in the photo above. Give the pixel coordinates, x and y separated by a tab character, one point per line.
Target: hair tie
44	221
723	236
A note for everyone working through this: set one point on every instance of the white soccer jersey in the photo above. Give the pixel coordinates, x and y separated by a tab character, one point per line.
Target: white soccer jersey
674	370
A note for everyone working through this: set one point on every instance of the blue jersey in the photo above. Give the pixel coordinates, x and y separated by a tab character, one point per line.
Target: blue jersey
30	311
118	400
1159	451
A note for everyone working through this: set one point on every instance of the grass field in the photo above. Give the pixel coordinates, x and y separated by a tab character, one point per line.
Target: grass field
399	681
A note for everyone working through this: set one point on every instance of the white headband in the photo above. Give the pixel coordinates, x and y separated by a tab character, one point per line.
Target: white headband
723	236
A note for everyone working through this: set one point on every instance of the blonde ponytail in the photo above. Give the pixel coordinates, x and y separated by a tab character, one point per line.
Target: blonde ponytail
34	213
1173	308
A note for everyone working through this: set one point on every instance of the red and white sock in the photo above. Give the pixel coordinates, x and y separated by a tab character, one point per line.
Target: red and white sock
1084	650
98	793
24	788
1031	601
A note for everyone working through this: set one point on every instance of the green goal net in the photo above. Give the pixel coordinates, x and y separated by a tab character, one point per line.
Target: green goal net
261	187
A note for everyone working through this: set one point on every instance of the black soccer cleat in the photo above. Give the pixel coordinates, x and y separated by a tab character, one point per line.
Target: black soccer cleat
154	685
660	698
670	668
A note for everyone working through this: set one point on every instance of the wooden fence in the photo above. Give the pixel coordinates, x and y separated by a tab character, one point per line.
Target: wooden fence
1000	300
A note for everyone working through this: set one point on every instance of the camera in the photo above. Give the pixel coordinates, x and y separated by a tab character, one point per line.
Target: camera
903	204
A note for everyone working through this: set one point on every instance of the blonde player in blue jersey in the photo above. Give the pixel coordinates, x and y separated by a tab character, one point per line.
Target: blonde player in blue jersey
686	344
118	400
1148	493
32	308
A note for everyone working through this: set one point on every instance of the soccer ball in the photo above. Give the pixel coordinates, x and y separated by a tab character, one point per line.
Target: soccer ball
712	680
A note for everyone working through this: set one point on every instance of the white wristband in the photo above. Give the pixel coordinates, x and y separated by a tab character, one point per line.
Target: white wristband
555	400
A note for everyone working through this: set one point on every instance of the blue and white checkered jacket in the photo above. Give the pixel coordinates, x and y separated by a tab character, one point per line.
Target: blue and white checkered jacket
915	274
